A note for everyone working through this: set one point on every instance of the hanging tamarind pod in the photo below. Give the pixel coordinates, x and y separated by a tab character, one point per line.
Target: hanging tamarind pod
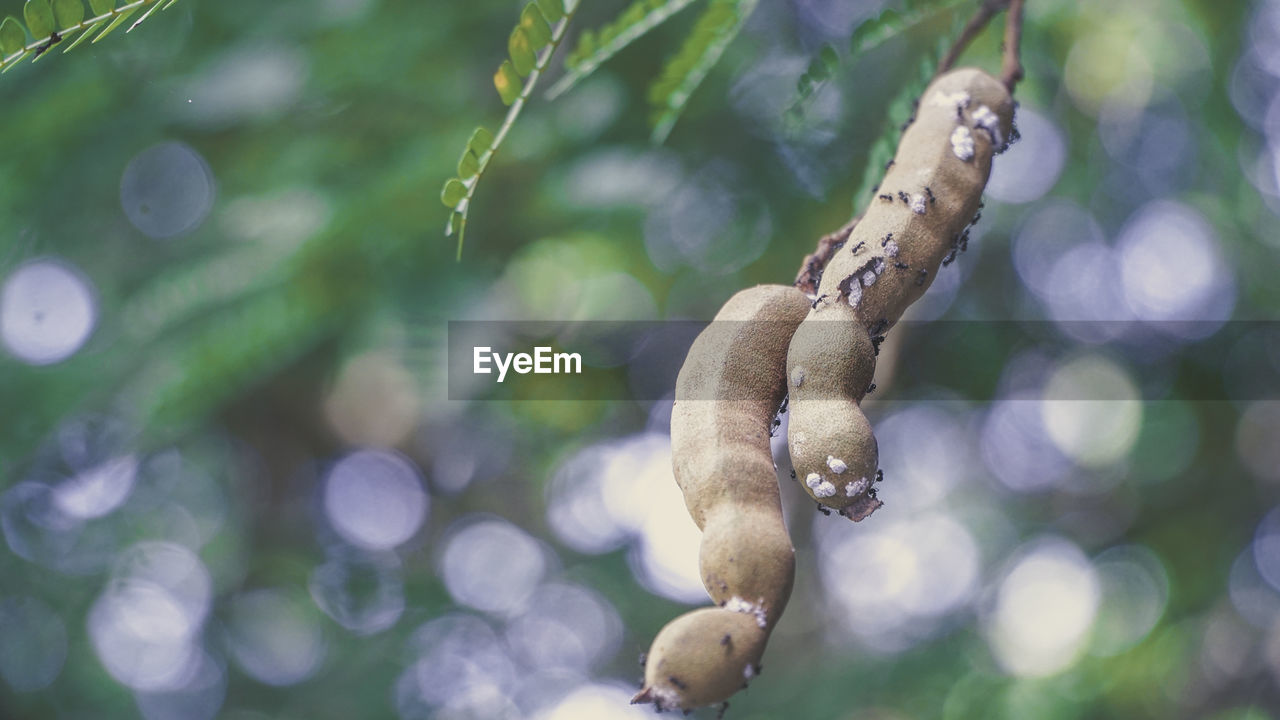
919	220
727	395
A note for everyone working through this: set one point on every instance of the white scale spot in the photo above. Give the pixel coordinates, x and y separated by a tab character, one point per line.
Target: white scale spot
738	605
748	672
665	697
918	204
855	295
813	480
869	278
855	488
836	464
962	143
824	490
988	121
891	249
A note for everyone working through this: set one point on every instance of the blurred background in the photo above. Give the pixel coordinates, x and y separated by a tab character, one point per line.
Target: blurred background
232	483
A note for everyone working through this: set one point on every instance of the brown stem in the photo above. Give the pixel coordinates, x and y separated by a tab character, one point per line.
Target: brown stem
985	12
811	268
1011	70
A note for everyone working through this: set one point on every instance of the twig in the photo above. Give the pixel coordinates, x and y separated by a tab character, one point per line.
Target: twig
985	12
1011	69
811	268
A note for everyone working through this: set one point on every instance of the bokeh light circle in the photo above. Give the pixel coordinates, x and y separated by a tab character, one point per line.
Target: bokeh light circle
167	190
374	499
491	565
48	310
1044	609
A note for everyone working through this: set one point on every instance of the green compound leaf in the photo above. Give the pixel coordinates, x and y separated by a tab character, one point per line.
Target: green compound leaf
718	25
869	34
530	53
876	30
594	48
119	19
521	51
507	82
468	164
12	37
51	21
552	10
901	113
535	26
480	142
84	35
68	13
453	194
39	18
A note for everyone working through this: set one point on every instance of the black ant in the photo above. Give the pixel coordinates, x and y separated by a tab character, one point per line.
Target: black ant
879	476
932	199
793	475
823	509
886	198
887	239
901	265
817	300
861	244
53	40
875	342
870	389
888	165
904	197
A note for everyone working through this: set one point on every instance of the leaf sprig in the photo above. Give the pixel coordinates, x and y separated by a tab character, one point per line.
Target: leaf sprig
718	25
902	111
49	22
529	47
597	46
869	34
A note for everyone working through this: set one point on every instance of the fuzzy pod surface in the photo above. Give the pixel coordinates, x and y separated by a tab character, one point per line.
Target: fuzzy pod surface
919	218
727	395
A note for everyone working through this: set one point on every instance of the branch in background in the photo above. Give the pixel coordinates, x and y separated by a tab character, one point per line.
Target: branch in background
1011	69
972	29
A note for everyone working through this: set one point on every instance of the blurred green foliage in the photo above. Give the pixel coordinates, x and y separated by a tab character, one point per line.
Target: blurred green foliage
329	128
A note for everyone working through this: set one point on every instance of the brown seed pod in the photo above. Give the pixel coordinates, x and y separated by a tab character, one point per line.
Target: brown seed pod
935	186
728	392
